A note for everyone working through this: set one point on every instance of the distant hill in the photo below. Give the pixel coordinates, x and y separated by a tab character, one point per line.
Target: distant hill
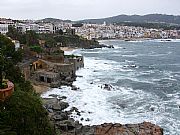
52	20
150	18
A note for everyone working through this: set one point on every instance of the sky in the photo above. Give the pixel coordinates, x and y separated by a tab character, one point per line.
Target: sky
84	9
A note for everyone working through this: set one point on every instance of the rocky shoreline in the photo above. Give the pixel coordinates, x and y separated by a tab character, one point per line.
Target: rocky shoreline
65	125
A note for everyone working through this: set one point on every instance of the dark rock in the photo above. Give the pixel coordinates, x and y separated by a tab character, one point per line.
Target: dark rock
61	98
82	119
69	79
107	87
74	109
87	119
53	95
79	76
110	46
152	108
60	117
74	88
56	107
60	106
64	105
65	125
50	110
78	113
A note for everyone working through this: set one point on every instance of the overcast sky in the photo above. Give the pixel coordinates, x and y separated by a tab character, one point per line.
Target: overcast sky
83	9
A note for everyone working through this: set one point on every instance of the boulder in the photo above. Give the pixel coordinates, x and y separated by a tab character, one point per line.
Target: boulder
66	125
60	117
74	88
60	106
64	105
107	87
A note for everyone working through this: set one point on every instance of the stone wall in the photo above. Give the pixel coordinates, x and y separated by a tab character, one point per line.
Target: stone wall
47	77
54	58
77	61
64	69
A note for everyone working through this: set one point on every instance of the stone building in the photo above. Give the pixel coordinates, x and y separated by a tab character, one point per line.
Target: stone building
52	73
52	69
77	61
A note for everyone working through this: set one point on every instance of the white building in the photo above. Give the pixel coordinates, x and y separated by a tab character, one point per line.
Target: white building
17	44
21	27
3	28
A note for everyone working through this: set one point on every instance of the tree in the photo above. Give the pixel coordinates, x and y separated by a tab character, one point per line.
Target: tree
31	38
36	48
60	32
16	35
24	114
8	56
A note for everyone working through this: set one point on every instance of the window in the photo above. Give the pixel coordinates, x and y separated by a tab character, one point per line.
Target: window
41	78
49	80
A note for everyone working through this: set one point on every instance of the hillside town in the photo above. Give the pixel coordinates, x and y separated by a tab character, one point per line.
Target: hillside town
88	31
44	63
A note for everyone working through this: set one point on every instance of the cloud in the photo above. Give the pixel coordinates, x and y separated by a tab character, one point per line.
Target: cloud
80	9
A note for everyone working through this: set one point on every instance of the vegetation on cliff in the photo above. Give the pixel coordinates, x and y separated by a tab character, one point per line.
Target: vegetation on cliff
60	38
23	112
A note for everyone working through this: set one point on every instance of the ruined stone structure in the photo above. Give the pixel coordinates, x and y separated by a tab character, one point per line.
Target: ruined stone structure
77	61
52	67
50	72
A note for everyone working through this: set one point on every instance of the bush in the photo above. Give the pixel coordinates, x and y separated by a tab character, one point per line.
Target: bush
24	114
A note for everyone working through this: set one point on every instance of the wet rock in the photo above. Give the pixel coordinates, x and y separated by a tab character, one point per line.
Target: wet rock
78	113
61	98
74	109
50	110
74	88
133	66
79	76
82	119
152	109
107	87
53	95
64	105
87	119
67	126
110	46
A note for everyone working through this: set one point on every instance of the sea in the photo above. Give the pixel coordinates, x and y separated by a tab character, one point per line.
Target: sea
144	81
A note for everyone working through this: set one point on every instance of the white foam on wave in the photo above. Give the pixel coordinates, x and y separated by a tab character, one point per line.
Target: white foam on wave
165	40
95	104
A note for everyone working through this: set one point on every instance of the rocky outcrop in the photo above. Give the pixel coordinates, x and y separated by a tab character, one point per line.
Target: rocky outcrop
65	125
145	128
